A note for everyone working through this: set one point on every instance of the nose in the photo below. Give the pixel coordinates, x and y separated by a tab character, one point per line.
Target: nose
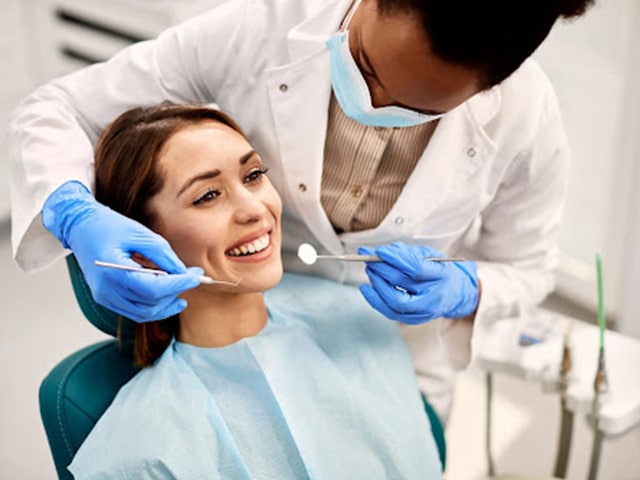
248	206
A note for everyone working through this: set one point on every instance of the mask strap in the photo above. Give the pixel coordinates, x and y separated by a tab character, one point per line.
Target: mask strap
349	16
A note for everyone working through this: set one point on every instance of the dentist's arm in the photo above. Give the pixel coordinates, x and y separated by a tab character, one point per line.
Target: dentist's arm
95	232
52	131
412	290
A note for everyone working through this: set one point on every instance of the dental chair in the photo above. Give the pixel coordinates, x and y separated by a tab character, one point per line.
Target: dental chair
79	389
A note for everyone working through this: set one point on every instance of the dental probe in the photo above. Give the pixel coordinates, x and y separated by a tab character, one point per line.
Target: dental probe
203	278
308	255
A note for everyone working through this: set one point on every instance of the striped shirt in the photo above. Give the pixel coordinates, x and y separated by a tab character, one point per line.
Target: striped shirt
365	168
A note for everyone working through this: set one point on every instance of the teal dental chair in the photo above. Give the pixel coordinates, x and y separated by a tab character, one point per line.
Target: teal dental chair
79	389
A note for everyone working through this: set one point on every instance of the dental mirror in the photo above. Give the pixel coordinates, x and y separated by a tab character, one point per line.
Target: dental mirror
309	256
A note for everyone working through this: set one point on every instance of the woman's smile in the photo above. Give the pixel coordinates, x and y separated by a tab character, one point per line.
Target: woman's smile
255	244
256	250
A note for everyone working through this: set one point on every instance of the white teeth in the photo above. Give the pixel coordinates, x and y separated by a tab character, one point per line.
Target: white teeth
257	245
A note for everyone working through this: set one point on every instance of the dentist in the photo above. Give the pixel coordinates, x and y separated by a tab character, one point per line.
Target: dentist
416	122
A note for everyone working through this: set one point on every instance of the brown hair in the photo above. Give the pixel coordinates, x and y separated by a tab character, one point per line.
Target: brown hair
127	177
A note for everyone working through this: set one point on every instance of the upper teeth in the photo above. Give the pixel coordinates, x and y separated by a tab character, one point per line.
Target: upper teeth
252	247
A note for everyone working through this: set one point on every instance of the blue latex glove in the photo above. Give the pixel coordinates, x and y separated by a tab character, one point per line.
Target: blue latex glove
95	232
410	289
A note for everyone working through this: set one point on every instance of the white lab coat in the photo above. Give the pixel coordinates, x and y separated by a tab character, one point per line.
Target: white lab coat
495	166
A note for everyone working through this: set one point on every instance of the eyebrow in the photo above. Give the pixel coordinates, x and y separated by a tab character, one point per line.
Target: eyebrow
209	174
374	74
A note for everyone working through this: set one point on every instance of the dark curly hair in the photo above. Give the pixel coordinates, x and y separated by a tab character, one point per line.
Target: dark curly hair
492	37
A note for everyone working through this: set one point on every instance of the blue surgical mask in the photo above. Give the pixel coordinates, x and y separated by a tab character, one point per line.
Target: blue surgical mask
352	92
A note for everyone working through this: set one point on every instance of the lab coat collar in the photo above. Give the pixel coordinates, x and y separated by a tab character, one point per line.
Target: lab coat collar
484	106
305	38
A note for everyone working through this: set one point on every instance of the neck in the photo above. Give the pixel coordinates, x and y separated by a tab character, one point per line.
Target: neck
216	320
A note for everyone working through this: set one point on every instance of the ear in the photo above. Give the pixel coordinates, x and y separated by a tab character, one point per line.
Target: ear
143	261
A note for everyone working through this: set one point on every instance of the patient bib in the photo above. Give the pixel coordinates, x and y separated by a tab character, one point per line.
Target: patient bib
325	391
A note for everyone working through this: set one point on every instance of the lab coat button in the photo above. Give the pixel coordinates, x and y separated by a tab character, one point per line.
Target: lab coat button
471	152
302	187
399	220
284	87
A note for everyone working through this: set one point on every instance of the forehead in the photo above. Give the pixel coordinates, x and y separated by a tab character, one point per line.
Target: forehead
209	140
196	149
207	133
400	53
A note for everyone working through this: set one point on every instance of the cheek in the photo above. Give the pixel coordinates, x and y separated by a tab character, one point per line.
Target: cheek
275	204
190	241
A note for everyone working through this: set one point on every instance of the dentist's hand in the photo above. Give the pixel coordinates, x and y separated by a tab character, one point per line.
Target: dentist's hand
412	290
95	232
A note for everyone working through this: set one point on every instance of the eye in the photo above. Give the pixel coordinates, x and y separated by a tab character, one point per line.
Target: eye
255	175
209	196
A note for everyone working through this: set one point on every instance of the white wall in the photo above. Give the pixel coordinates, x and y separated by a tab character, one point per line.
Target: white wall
15	82
629	321
592	62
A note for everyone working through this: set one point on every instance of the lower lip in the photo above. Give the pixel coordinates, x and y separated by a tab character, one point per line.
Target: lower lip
255	257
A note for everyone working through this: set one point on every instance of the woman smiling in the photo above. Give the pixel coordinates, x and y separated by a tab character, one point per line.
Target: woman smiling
244	384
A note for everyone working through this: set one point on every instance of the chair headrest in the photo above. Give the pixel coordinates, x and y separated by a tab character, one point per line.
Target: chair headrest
104	319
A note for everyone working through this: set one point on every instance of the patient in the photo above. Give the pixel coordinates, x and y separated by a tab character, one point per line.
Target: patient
245	384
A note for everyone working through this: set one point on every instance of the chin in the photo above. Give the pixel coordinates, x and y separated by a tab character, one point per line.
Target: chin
264	280
274	277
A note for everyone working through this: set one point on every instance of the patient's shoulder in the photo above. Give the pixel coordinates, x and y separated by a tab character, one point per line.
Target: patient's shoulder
157	420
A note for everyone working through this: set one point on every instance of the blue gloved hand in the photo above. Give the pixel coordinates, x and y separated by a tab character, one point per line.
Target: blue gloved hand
412	290
95	232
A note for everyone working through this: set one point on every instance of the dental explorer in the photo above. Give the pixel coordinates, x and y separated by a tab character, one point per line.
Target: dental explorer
203	278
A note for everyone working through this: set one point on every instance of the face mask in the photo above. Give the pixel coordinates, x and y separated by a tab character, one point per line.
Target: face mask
353	94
